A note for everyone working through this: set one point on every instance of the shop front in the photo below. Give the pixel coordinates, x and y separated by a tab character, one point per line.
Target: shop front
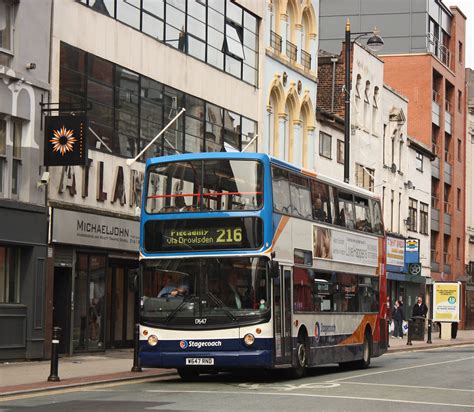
94	296
404	280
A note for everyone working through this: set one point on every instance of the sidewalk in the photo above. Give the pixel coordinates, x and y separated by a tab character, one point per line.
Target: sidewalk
400	345
115	365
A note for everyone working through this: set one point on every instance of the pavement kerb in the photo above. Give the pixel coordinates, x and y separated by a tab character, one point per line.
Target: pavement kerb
44	386
413	347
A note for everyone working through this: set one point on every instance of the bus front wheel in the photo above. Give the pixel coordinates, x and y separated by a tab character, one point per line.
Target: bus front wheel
188	374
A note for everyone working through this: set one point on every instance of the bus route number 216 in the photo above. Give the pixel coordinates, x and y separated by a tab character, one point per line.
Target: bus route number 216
229	235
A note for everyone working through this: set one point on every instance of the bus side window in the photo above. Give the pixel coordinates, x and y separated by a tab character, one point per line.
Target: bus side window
346	210
362	214
281	190
320	200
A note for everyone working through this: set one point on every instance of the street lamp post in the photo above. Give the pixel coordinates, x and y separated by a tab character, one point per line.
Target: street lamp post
375	42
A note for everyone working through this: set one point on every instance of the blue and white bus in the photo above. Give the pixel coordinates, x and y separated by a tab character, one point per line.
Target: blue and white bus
250	262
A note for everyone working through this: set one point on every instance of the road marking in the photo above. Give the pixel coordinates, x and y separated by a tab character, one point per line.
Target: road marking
400	369
391	385
359	398
289	387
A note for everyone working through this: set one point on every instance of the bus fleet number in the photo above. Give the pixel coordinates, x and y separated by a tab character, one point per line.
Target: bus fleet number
229	235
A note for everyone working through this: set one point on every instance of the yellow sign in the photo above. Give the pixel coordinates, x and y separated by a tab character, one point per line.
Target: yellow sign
446	301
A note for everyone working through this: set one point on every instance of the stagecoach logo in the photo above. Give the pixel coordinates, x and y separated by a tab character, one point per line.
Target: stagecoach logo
184	344
317	331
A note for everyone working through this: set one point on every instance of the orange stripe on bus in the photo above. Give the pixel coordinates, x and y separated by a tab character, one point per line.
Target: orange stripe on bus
279	230
358	335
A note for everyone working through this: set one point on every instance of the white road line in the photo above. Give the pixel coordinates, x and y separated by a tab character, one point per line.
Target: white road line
304	395
400	369
391	385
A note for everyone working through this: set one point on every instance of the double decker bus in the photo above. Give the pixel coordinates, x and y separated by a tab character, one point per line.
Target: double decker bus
249	262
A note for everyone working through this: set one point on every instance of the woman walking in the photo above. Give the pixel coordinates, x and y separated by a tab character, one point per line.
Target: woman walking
397	317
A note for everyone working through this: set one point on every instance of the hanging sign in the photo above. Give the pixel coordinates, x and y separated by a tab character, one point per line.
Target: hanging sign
65	140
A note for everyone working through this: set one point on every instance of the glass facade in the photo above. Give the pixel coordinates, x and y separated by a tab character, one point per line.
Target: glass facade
217	32
127	110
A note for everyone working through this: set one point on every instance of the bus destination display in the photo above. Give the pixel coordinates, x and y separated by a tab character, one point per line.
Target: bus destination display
203	234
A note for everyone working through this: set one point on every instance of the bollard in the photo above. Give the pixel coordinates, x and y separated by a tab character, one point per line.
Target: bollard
429	331
136	347
53	377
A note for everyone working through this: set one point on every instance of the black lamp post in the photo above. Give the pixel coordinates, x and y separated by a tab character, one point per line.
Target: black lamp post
375	42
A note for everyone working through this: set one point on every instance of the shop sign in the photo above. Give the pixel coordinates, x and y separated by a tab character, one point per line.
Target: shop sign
85	229
395	251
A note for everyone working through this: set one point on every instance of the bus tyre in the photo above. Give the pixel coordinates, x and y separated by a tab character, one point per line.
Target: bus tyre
188	374
298	370
364	363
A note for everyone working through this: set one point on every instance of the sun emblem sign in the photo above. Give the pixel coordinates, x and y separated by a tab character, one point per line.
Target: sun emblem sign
63	140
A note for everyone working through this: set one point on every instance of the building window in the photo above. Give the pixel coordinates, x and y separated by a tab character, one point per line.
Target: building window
459	101
340	151
16	171
127	110
365	177
419	161
412	214
459	150
460	51
423	218
325	142
9	275
5	27
458	248
221	34
458	201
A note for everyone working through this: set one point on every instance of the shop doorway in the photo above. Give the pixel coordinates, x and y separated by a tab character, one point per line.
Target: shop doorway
121	298
89	303
62	305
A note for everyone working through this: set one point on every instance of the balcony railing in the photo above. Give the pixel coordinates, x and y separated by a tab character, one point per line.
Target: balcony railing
447	106
435	148
435	96
306	60
434	202
448	157
447	208
434	255
439	50
275	41
447	258
291	50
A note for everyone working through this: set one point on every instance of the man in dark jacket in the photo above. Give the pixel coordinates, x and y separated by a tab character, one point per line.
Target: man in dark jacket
420	309
397	316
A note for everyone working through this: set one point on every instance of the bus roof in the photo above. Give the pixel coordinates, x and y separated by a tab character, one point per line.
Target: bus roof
259	156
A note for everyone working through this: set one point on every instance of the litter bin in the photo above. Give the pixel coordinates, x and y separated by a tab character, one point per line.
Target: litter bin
454	330
416	329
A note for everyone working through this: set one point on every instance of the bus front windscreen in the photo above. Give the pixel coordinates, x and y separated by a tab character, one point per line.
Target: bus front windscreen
214	291
204	185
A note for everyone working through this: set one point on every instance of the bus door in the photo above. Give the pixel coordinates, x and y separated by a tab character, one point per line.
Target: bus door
282	316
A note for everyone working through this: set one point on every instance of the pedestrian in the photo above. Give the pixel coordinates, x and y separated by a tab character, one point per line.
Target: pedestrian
397	317
420	309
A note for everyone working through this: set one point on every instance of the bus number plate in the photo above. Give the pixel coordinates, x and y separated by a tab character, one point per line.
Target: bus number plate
199	361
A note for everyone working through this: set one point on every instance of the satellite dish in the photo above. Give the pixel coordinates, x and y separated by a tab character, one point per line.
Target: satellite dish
393	168
409	184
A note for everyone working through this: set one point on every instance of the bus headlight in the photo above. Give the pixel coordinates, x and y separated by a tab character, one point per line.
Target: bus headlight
152	340
249	339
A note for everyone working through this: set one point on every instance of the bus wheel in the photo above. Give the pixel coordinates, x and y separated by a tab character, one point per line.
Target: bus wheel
188	374
364	363
298	370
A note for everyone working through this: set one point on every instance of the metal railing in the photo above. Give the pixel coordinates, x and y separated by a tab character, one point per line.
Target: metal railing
305	59
275	41
447	208
434	255
448	157
439	50
435	148
447	258
447	106
435	96
434	202
291	50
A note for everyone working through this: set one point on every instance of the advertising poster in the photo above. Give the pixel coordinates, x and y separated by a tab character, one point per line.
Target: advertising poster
446	301
395	251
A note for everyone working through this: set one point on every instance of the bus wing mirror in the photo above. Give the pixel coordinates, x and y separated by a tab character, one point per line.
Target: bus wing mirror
133	280
274	268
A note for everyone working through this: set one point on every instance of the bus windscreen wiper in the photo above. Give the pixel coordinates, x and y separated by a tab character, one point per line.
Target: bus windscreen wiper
186	299
221	305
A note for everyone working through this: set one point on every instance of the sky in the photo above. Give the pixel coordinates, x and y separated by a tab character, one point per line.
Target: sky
467	7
